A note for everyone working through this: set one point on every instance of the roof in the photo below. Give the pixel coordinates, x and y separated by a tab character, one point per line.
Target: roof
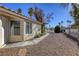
13	13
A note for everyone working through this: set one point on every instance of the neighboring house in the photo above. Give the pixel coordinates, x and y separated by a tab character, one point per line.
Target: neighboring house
15	27
72	31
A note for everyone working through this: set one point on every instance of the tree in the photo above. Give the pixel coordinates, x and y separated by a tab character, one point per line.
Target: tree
39	14
74	12
60	23
19	11
30	12
57	29
68	21
40	17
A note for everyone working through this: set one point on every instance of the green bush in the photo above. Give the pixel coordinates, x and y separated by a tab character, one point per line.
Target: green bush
57	29
39	35
36	36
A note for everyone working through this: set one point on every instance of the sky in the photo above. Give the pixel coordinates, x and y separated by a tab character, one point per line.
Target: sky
60	13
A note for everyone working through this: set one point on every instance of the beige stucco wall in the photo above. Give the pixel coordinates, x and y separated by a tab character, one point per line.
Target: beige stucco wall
27	36
34	31
36	28
39	29
16	38
4	29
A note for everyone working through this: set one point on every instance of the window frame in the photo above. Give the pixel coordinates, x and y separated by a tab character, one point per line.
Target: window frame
28	28
16	25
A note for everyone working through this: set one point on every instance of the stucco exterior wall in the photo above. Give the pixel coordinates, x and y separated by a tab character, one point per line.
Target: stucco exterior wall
4	30
6	17
36	29
27	36
17	38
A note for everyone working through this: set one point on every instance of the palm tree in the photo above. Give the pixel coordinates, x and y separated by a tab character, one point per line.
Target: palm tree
19	11
68	21
30	12
60	23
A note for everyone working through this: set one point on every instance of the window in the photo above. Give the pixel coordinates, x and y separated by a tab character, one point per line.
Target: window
28	28
16	27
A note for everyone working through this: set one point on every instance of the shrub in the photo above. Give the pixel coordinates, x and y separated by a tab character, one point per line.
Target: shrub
39	35
57	29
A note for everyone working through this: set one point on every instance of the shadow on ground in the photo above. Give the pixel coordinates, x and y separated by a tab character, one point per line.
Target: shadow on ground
73	38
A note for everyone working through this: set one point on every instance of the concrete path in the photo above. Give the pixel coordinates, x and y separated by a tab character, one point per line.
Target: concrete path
26	43
55	44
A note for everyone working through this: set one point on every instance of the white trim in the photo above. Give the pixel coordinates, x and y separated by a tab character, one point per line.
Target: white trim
3	36
1	33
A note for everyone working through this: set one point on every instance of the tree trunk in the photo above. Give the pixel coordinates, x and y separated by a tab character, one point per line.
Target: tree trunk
42	28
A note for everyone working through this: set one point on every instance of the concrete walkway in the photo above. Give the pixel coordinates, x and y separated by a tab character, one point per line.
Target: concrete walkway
55	44
26	43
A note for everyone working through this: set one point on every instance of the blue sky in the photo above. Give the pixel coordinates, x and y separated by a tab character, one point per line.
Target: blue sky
59	13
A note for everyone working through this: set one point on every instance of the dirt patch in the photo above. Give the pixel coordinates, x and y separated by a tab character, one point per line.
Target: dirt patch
17	51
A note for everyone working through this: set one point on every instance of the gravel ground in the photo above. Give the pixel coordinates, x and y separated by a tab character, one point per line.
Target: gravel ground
54	45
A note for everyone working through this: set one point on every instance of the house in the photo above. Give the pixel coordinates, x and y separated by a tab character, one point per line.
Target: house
16	27
73	29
